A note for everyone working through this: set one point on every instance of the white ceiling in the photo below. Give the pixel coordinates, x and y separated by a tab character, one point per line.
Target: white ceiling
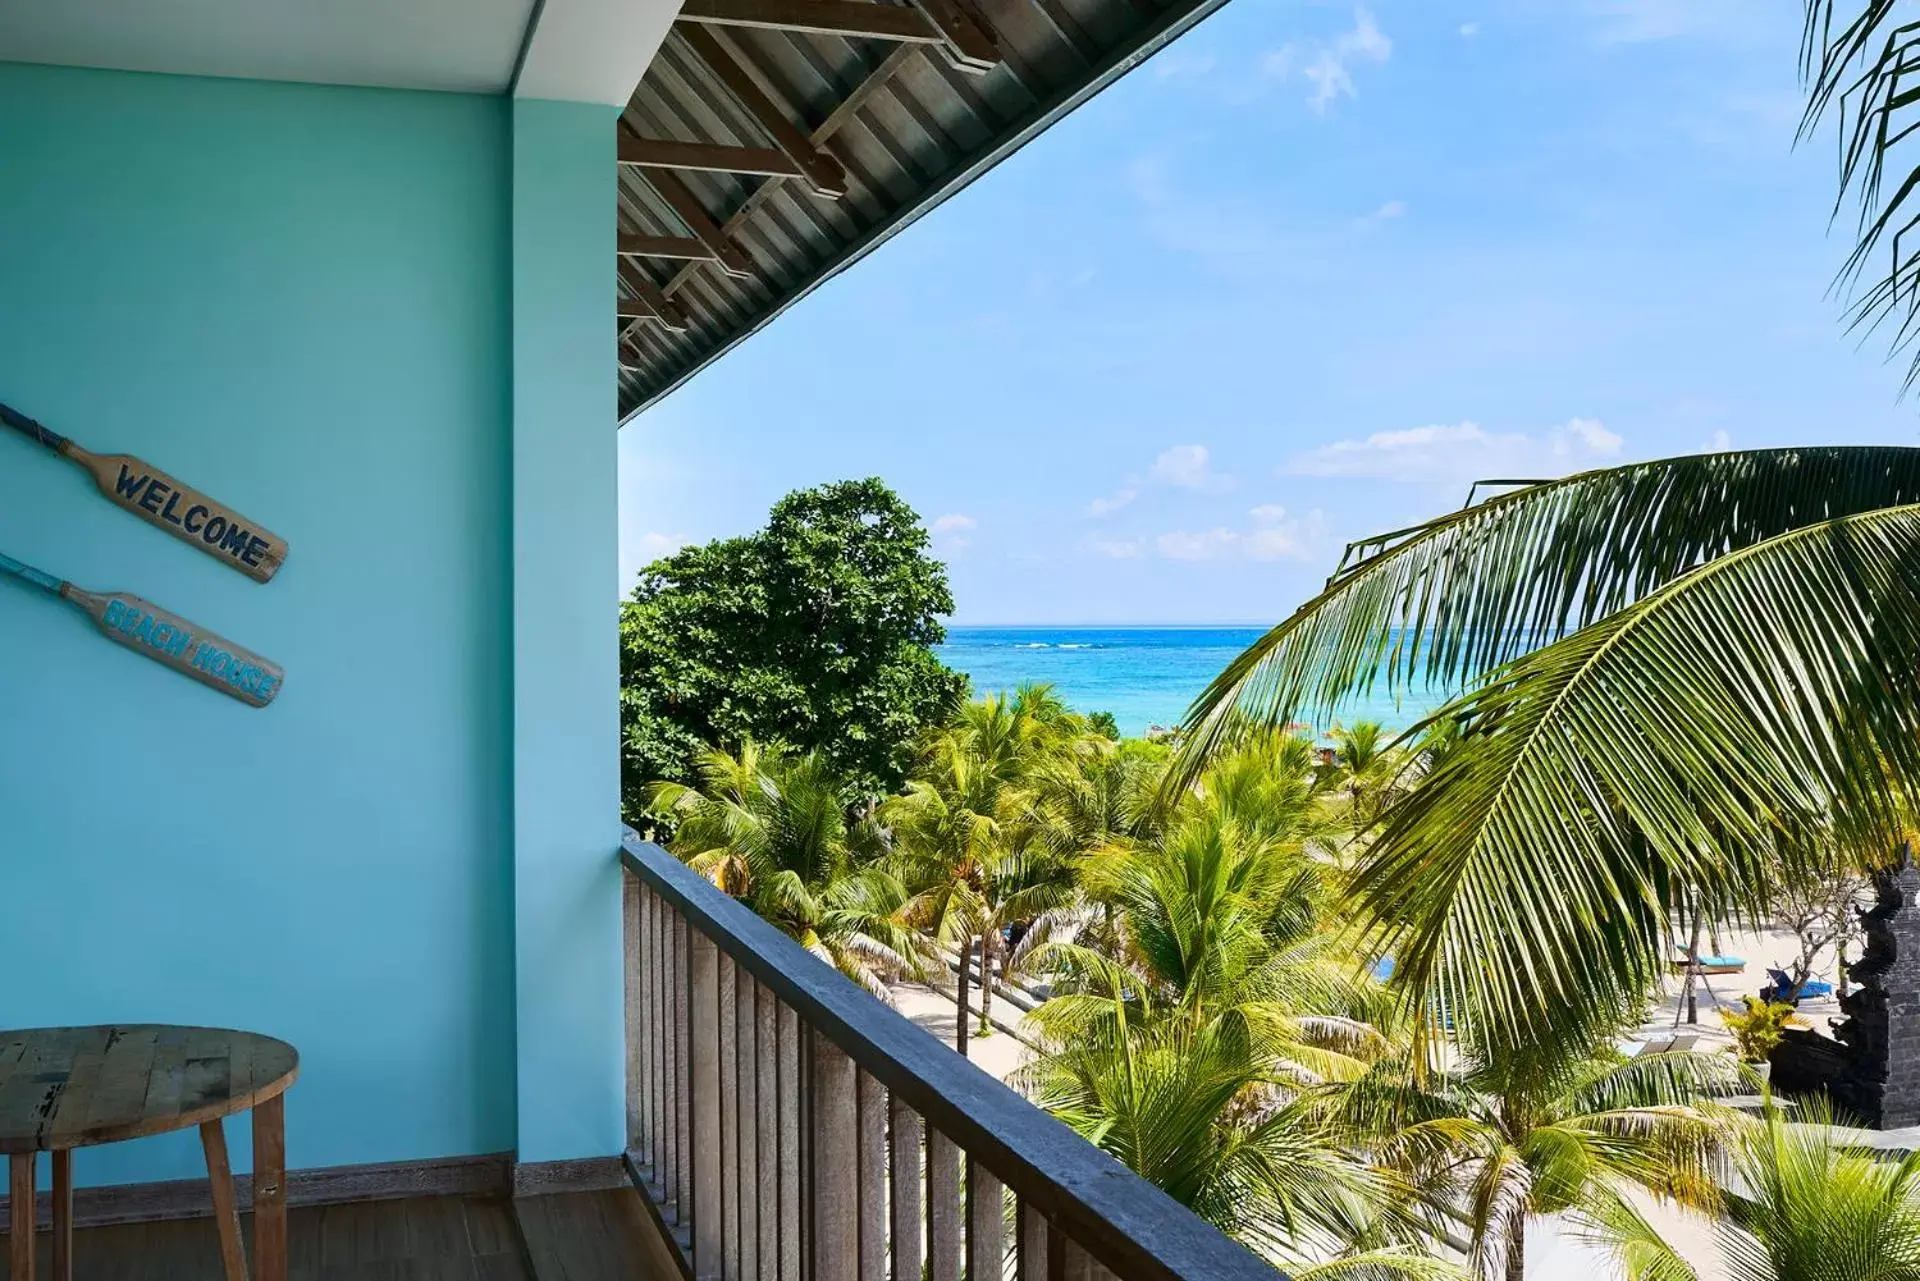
466	46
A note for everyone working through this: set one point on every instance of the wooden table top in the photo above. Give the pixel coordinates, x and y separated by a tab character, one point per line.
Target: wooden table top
69	1087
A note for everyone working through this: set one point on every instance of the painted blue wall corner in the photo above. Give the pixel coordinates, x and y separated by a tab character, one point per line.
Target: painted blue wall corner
566	731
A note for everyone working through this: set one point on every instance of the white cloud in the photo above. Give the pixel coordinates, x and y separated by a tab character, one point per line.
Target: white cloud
951	531
1449	453
1117	548
1183	465
1110	505
652	546
1720	442
1273	536
1588	434
1469	29
1327	65
1209	544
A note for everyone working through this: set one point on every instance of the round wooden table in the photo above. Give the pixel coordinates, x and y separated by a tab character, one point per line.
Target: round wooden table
63	1088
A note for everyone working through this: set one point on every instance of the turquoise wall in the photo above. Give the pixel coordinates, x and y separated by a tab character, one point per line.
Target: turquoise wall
566	668
299	300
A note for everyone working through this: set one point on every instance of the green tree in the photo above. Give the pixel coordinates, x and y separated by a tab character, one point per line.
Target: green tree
770	828
1491	1147
1809	1208
814	631
1859	59
966	839
1368	768
1694	672
1206	1116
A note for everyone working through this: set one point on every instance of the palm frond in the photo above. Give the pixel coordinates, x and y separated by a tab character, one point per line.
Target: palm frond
1617	1226
1527	883
1865	69
1445	602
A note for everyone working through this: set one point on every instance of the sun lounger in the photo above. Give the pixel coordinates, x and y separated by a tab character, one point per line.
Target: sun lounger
1714	965
1782	988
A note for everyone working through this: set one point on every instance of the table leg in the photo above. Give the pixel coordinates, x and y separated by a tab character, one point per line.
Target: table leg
20	1217
226	1207
270	1190
63	1215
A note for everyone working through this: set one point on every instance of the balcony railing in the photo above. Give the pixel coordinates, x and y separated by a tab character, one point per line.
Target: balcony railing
788	1127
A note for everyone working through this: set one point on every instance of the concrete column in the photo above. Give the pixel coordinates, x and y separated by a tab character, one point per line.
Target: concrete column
569	1036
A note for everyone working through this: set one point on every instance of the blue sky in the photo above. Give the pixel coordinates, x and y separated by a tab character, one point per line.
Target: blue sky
1299	279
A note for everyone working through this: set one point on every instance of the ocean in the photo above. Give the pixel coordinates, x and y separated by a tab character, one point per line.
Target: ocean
1145	676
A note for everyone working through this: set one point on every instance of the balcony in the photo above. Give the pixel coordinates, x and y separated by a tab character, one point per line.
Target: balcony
785	1124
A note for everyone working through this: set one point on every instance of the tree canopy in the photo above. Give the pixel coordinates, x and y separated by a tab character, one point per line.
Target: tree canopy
813	632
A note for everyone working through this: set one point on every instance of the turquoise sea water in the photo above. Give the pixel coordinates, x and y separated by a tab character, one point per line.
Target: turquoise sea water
1144	675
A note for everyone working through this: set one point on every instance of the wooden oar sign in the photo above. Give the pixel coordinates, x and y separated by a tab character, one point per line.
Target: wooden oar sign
166	638
159	499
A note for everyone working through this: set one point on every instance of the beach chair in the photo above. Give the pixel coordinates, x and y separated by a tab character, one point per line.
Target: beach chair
1783	990
1658	1043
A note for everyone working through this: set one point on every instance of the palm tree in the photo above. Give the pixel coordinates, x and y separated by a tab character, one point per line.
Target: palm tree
1222	925
1491	1147
1366	766
770	828
1859	61
1202	1115
967	845
1692	671
1809	1209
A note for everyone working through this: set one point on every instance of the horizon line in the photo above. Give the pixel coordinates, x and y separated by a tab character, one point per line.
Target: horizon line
1237	624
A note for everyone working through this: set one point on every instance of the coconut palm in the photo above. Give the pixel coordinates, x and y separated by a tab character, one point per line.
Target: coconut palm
1858	60
1808	1208
770	827
1366	767
967	843
1689	670
1221	925
1203	1115
1492	1146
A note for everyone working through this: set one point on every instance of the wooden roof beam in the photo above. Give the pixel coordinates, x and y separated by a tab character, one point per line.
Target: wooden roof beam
685	247
861	18
649	302
822	172
968	45
686	207
936	22
707	157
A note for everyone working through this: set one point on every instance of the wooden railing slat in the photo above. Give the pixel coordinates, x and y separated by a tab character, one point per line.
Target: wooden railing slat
682	1066
635	975
906	1172
871	1187
1032	1244
945	1209
835	1166
986	1223
727	1150
746	1122
703	1071
792	1226
656	1002
767	1150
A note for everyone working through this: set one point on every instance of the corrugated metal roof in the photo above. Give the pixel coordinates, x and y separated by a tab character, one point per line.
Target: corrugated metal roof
910	123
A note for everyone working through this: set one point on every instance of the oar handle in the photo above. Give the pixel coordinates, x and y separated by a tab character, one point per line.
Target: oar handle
44	581
45	435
